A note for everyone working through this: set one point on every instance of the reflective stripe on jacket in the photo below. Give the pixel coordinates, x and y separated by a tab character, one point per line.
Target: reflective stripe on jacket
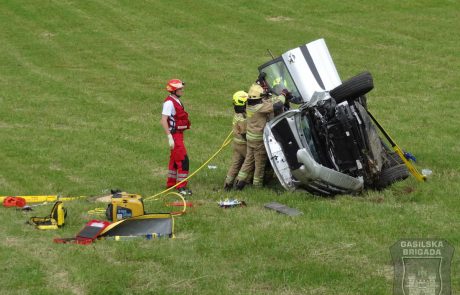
258	115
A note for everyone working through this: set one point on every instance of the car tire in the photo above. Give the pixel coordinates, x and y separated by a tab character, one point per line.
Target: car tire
363	101
391	175
391	158
353	88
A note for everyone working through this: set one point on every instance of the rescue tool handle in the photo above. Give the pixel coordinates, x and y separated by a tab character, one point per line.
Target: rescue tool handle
412	169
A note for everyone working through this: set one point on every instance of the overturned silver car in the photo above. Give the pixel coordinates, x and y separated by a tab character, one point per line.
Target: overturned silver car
329	145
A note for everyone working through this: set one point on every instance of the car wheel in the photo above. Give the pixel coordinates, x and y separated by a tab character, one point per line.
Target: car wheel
353	88
363	101
391	175
390	157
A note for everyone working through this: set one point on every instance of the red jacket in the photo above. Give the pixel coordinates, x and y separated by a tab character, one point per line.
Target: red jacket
181	121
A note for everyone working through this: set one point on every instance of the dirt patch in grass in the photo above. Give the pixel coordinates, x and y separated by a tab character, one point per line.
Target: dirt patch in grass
278	18
405	190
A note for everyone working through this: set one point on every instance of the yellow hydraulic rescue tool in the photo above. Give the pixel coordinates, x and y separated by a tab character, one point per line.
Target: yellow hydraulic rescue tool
412	169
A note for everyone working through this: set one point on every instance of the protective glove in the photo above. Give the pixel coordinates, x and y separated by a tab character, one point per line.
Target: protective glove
170	141
286	94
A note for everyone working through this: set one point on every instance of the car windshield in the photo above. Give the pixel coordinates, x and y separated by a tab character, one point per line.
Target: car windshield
305	127
278	77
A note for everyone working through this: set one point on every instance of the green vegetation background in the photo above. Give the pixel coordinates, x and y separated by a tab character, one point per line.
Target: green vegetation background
81	89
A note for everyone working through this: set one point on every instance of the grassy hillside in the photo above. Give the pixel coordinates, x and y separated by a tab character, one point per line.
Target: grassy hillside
81	90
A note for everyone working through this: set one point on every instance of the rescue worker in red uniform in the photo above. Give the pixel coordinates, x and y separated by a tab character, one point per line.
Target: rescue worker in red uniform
175	121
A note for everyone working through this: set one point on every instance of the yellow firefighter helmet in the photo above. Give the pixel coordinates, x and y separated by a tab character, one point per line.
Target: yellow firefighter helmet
255	91
240	98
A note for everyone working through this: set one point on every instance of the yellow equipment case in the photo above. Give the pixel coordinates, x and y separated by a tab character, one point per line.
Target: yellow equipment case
55	220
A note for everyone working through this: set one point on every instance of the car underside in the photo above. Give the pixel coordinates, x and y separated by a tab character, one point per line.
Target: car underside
329	144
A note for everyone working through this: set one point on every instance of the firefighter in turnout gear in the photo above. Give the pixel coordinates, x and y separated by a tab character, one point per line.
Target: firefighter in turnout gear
239	137
175	121
260	109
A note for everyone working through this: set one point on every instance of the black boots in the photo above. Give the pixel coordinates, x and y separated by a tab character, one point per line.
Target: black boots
184	191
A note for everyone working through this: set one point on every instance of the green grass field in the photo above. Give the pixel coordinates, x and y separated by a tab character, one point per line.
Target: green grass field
81	90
